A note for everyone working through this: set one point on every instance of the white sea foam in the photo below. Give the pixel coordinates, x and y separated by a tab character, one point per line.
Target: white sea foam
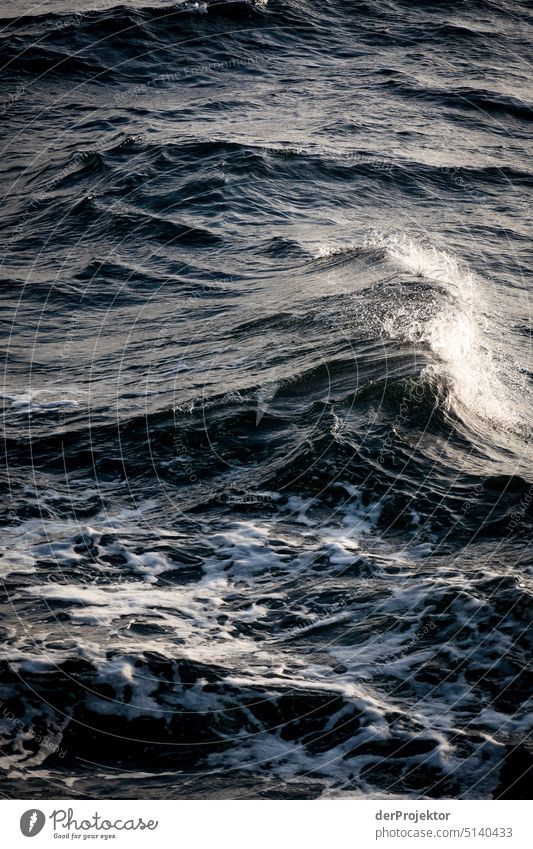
41	401
463	332
322	640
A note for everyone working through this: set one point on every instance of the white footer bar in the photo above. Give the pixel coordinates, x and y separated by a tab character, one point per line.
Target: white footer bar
276	824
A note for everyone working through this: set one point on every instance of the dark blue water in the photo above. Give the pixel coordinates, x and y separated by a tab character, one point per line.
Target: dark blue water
267	495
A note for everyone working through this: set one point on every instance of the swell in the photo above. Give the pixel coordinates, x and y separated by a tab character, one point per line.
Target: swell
109	42
423	353
463	98
414	456
119	15
130	168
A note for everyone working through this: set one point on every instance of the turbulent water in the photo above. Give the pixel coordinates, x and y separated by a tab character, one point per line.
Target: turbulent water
268	494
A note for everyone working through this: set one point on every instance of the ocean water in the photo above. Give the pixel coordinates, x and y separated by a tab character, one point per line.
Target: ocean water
267	496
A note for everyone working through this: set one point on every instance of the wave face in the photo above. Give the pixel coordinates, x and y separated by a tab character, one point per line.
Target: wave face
267	497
